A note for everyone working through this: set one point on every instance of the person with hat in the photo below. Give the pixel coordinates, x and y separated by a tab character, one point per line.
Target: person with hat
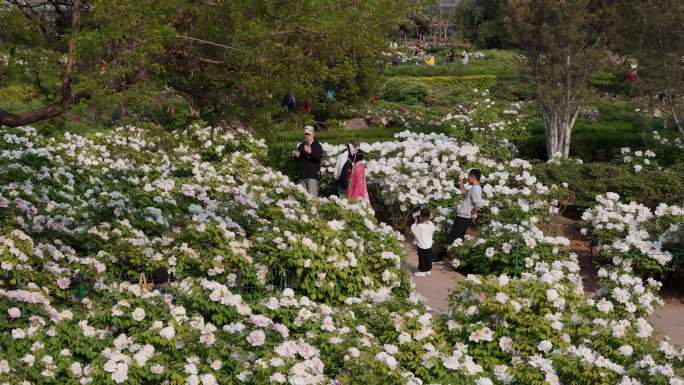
308	156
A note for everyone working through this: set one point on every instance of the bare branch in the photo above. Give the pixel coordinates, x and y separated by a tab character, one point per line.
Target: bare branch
209	43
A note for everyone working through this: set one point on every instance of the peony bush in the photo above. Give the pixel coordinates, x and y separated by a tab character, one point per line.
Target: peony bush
633	233
274	287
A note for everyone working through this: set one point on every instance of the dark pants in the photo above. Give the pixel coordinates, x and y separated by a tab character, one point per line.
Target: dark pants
342	190
424	259
458	229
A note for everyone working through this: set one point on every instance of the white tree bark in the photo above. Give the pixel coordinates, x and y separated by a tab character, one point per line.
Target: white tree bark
558	126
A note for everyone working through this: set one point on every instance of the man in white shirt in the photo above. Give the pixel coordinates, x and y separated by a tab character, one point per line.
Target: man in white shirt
423	232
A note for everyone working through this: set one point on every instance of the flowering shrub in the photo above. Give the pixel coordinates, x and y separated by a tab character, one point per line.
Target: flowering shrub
540	328
676	142
507	248
633	232
494	126
423	170
639	160
275	287
192	208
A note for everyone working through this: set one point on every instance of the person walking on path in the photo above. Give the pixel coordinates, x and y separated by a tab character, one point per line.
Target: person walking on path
357	181
308	157
343	168
466	213
423	230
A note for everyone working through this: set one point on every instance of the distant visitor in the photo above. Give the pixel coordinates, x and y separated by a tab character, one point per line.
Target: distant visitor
465	57
308	156
357	182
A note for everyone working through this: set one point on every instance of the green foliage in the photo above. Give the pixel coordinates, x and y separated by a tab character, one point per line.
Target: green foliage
586	180
563	43
405	91
172	62
658	50
481	22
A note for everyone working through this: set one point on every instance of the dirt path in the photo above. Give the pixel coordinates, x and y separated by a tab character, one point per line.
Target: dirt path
667	320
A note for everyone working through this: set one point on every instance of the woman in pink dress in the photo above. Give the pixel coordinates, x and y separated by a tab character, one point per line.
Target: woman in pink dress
357	182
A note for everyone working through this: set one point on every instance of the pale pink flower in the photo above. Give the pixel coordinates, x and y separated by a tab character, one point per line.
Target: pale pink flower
256	338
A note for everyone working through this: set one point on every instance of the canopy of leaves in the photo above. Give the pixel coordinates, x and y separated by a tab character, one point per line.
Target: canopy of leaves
226	59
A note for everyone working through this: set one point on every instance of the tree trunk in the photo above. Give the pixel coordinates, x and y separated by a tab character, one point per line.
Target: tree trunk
679	124
558	128
67	98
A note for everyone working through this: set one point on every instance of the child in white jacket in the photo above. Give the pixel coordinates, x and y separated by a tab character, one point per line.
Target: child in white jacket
423	232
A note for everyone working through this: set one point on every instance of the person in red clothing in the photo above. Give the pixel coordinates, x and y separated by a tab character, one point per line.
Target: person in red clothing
357	182
632	75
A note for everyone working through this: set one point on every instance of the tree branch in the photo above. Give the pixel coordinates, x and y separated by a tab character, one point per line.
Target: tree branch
209	43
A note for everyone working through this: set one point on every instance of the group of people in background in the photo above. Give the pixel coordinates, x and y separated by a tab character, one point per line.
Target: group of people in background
350	174
426	53
350	171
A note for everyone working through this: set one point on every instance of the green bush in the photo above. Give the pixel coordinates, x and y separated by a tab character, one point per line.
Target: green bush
405	90
585	181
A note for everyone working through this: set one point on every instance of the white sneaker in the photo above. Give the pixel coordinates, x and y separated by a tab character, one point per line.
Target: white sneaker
419	274
428	273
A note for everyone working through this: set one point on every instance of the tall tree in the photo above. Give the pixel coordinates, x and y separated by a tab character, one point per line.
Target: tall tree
653	32
481	22
563	42
73	51
240	57
226	58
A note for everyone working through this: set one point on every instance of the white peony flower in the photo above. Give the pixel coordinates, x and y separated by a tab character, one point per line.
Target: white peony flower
14	312
138	314
256	338
167	332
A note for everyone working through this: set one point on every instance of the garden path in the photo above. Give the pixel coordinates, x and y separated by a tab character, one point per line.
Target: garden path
668	319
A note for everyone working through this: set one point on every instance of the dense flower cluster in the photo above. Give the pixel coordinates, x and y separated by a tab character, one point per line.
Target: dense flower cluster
274	287
422	170
639	160
636	234
676	142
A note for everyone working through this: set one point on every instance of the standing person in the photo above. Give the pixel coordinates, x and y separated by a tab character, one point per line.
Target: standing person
465	57
466	213
308	157
423	232
451	55
430	60
357	181
289	102
343	168
632	75
397	59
